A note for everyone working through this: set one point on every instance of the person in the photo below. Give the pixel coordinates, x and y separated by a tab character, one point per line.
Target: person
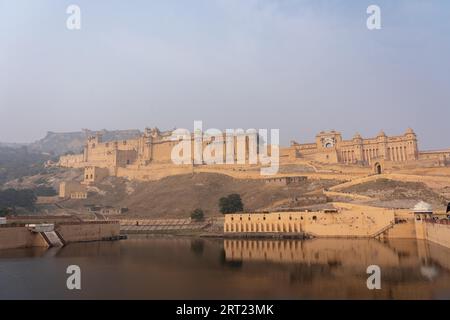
448	207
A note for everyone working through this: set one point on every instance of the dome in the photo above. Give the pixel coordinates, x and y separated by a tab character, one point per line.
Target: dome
357	136
410	131
429	272
382	134
423	207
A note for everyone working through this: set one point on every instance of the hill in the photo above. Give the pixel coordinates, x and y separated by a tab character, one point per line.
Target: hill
177	196
20	162
73	142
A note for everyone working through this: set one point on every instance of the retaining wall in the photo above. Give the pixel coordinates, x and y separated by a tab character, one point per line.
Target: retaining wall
12	237
87	231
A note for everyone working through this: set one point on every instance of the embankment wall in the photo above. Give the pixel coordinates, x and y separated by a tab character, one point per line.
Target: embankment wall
88	231
20	237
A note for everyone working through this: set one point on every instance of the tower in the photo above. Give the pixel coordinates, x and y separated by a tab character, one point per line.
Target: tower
422	211
411	148
358	148
382	144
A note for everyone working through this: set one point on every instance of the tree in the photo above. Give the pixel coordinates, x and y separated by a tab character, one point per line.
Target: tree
43	191
11	198
6	212
231	204
197	215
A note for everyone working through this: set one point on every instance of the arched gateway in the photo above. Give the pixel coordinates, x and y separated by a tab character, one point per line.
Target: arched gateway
377	168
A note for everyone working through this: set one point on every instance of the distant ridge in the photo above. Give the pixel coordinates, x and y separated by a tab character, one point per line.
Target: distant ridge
58	143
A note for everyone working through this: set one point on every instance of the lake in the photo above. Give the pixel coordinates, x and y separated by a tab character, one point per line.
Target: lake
151	267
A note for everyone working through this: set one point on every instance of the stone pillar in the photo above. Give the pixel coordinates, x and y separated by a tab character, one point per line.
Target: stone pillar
411	144
359	155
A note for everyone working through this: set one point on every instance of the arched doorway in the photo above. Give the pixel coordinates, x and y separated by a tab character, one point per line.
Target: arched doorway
378	169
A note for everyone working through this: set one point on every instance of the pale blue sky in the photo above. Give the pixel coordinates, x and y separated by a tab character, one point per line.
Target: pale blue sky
298	65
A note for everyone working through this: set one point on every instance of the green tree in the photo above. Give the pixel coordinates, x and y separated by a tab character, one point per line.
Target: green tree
197	215
11	198
43	191
231	204
5	212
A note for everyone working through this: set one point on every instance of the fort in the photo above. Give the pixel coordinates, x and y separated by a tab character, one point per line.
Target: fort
150	156
339	213
137	158
345	220
378	152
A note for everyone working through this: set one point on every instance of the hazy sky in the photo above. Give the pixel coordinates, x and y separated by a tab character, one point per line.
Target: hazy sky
298	65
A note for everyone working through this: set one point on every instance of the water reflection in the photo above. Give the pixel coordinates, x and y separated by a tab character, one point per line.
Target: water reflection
188	268
420	266
197	246
331	252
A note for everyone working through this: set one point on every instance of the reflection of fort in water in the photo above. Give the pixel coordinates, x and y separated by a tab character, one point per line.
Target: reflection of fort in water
348	252
336	268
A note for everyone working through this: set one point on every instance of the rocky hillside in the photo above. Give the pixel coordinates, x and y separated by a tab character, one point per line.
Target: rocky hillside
177	196
400	194
19	162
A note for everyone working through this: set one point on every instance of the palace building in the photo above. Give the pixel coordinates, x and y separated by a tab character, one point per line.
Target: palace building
140	156
329	147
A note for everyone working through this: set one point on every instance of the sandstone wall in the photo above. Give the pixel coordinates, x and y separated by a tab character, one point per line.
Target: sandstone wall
438	233
404	230
71	161
88	231
66	188
350	221
19	237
